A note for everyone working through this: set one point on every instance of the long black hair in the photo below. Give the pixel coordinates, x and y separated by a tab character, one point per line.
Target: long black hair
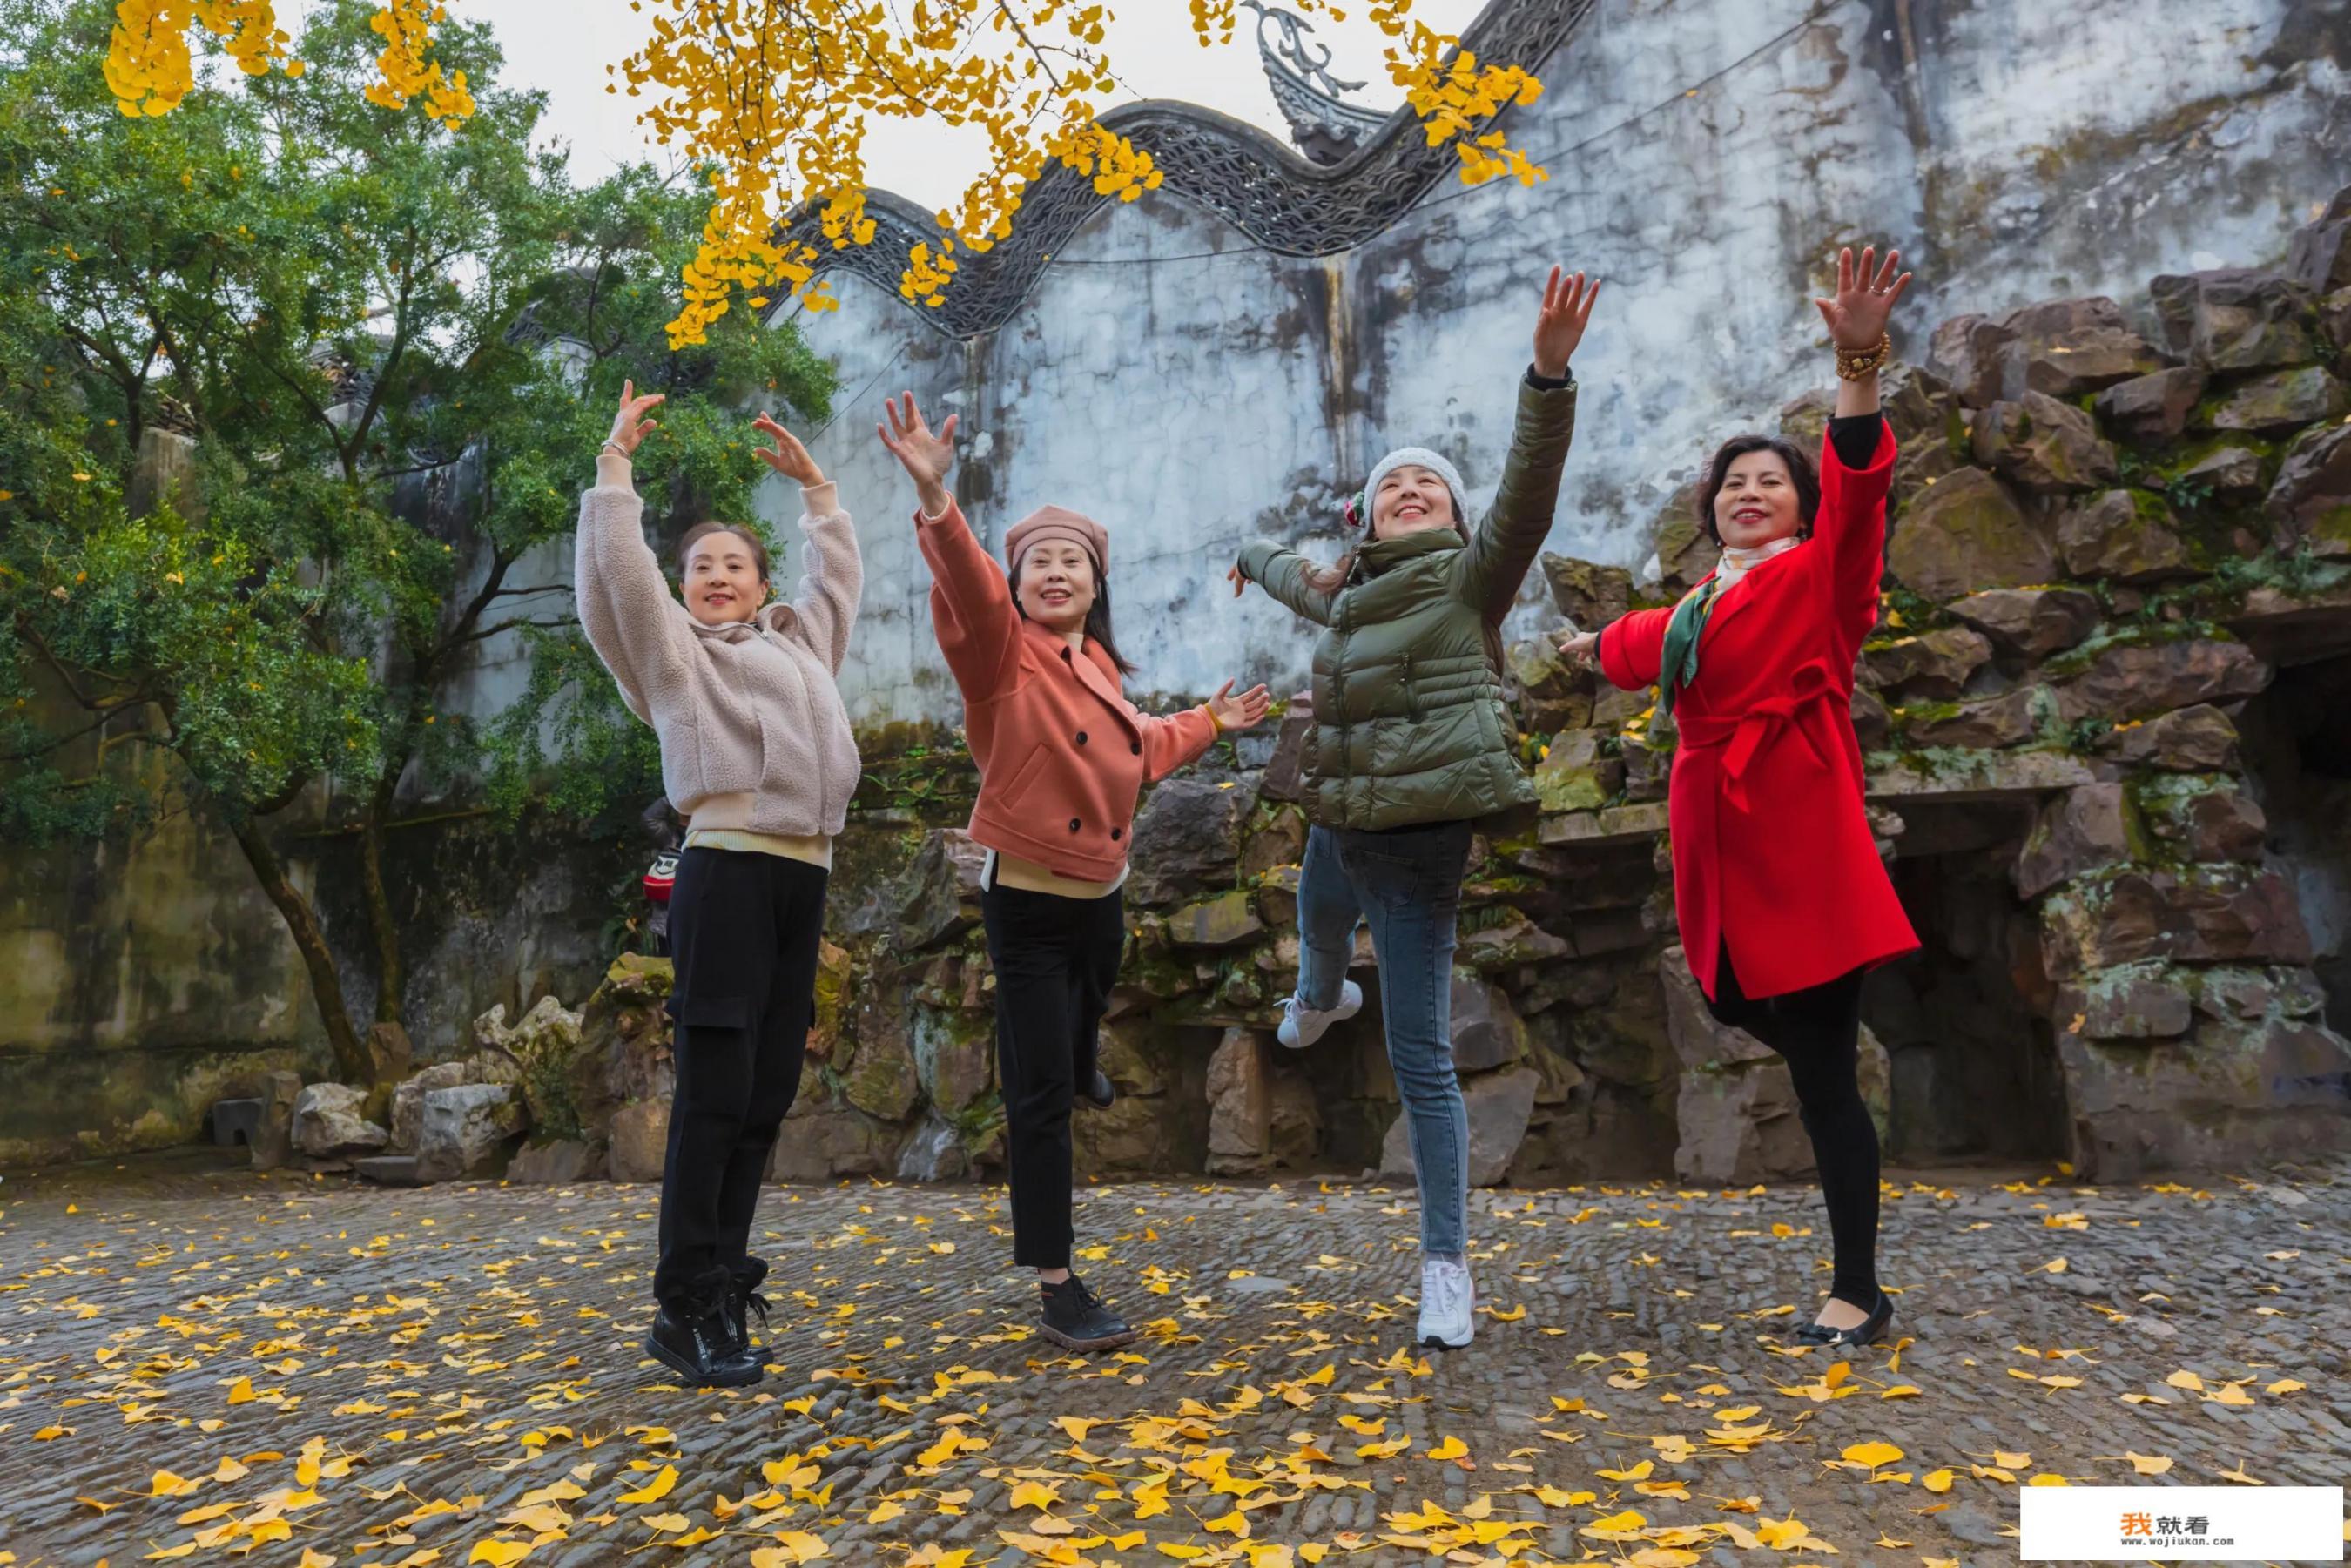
1097	615
1806	477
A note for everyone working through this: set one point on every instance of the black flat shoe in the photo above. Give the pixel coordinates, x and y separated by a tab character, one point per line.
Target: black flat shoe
701	1349
1871	1330
1074	1318
1100	1094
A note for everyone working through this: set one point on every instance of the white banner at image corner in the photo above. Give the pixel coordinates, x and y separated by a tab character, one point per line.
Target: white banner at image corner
2191	1525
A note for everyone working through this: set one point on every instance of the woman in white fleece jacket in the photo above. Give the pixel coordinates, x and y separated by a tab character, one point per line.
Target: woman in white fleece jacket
757	753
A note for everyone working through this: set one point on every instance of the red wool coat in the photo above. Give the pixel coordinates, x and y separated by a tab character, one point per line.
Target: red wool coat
1772	852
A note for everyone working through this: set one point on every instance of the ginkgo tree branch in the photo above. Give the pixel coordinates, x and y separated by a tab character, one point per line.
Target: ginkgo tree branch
774	95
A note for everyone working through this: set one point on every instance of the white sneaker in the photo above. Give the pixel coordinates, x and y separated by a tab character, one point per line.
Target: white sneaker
1302	1026
1445	1302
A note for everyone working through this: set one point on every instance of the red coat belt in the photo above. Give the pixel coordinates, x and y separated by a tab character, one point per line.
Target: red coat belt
1802	708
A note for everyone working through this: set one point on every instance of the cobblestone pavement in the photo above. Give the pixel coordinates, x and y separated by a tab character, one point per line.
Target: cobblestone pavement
200	1362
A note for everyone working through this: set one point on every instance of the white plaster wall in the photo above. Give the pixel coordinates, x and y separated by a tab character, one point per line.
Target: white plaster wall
1189	391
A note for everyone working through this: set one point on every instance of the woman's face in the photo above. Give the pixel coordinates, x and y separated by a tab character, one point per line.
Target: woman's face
1057	585
1757	503
1410	498
722	579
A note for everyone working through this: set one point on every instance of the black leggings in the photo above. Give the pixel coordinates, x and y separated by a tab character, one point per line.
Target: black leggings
745	928
1056	960
1817	1031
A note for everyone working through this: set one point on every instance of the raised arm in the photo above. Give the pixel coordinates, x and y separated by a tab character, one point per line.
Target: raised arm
1504	546
972	612
1857	456
1180	738
832	574
1286	575
1629	650
634	623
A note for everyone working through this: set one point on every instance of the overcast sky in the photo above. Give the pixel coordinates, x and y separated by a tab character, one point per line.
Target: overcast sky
1151	44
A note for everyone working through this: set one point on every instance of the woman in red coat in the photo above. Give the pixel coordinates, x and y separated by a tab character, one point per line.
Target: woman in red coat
1782	900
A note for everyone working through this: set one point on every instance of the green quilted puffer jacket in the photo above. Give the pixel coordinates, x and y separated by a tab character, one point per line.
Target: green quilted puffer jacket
1410	724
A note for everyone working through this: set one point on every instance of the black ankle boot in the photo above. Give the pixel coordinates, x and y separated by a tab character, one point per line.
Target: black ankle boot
740	1303
699	1345
1100	1093
1870	1331
1073	1317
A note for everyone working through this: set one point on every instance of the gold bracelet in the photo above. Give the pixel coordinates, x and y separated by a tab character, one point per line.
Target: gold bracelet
1852	364
1213	719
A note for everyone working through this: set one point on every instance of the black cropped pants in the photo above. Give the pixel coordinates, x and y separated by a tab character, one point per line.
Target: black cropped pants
744	929
1817	1032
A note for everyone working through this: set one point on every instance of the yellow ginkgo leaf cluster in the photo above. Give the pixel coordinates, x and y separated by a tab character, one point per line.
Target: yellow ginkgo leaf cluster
774	100
149	69
147	63
405	28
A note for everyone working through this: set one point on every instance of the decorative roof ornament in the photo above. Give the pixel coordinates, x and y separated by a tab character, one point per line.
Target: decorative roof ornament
1276	199
1327	128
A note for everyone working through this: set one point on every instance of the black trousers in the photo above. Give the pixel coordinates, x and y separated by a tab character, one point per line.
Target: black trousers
1817	1031
1056	960
744	928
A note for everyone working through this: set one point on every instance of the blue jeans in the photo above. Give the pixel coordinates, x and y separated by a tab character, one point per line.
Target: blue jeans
1407	885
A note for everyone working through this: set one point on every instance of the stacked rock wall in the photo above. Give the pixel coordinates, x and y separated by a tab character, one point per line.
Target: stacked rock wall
2103	717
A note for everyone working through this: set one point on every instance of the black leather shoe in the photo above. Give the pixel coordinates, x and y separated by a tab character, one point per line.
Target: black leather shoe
1101	1093
1871	1330
701	1349
1074	1319
740	1303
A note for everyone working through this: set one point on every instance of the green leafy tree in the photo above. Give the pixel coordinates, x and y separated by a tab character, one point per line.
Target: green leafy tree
384	348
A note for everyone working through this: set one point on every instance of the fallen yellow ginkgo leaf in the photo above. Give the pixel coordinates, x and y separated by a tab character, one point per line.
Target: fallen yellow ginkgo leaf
1035	1494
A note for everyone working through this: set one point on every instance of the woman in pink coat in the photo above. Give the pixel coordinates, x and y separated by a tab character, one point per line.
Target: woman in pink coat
1063	756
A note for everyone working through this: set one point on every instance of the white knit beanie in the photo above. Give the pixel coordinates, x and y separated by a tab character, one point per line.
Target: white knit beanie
1421	457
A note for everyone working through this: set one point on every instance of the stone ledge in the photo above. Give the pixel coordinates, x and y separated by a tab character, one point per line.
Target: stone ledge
1959	776
1609	826
2289	628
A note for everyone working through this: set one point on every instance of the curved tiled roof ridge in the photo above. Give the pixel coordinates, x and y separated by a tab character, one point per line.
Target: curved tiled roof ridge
1276	198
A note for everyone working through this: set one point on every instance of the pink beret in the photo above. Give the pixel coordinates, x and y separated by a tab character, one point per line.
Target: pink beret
1059	522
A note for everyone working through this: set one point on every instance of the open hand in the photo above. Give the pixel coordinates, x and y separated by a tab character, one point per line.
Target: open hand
1559	328
1864	297
1238	713
630	424
926	456
788	456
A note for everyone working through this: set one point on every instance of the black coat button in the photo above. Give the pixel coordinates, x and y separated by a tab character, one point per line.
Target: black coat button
1081	737
1118	832
1073	824
1065	655
1136	747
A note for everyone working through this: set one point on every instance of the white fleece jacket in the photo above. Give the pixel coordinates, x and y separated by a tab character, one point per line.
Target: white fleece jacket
752	734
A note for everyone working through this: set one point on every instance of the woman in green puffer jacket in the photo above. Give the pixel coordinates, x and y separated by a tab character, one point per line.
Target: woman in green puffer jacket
1413	745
